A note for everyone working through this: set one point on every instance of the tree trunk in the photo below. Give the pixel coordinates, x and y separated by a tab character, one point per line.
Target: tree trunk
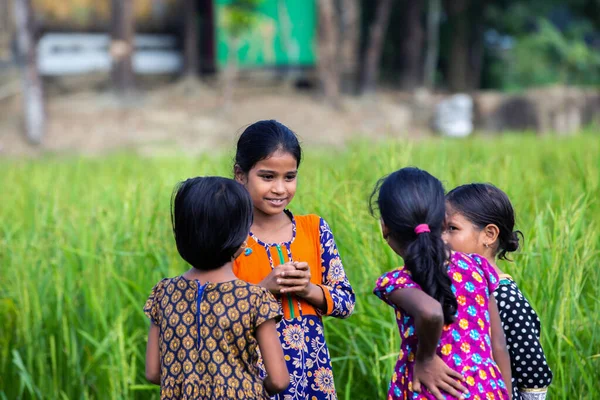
350	12
328	43
207	38
434	14
121	48
377	31
230	75
477	45
411	43
191	39
458	69
35	118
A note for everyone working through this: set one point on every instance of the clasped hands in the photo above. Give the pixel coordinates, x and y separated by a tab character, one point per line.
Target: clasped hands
292	277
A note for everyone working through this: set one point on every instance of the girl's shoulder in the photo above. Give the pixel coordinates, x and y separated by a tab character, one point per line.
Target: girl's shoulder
160	287
509	290
310	221
311	225
475	266
399	278
465	260
473	261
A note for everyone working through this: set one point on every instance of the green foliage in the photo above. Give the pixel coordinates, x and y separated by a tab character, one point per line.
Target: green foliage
84	240
549	56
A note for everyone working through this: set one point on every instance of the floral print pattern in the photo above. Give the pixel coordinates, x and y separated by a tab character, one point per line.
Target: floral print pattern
465	345
302	338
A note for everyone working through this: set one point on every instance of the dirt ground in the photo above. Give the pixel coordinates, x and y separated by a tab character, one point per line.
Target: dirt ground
175	117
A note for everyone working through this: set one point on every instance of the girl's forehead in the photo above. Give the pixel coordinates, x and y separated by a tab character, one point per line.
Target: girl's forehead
279	160
454	215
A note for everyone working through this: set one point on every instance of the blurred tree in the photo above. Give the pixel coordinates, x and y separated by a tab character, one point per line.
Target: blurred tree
458	63
434	13
459	53
467	28
328	64
543	42
411	40
374	47
121	48
350	32
33	98
190	41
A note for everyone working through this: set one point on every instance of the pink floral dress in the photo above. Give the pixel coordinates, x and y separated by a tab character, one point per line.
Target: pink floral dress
465	344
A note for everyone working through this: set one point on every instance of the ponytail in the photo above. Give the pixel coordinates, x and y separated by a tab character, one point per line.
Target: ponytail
426	258
407	200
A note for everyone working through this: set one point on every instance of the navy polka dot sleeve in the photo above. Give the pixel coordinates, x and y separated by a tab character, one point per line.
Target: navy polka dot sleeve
530	371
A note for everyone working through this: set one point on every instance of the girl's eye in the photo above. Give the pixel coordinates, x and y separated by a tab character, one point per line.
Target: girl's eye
290	177
451	228
267	177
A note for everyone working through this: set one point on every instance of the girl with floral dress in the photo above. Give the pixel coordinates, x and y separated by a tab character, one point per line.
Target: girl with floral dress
452	344
481	219
295	257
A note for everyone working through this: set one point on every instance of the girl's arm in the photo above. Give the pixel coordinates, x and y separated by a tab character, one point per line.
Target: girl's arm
278	377
334	296
152	355
430	370
338	297
499	349
522	331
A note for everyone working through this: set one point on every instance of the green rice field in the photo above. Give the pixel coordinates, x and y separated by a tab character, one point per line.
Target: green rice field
83	240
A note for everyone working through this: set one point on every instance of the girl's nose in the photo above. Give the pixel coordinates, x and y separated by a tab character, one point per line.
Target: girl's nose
278	187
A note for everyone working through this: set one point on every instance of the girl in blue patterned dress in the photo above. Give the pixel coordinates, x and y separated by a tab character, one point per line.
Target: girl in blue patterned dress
206	325
294	256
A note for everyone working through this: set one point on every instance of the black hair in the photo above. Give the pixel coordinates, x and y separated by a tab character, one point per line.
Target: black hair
211	219
484	204
407	198
263	138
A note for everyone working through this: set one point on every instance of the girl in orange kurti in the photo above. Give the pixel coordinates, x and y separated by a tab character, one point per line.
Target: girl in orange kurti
294	257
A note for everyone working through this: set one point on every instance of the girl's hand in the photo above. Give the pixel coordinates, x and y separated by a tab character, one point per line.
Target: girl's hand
274	281
435	375
296	281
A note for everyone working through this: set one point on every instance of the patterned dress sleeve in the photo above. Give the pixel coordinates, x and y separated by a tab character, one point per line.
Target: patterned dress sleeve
152	306
267	308
339	295
489	273
521	326
391	281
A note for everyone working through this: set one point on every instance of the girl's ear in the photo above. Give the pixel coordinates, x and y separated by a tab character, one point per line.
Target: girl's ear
240	176
491	233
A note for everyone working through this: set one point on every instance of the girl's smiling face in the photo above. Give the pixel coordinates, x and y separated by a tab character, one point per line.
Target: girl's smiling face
271	182
462	235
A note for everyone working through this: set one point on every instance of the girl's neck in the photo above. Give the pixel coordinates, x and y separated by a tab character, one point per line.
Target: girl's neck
222	274
272	228
492	261
264	221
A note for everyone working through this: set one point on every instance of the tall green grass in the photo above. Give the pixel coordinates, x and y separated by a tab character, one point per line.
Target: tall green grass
84	240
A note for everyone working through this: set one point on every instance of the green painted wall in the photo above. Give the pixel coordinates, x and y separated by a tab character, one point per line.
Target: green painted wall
284	34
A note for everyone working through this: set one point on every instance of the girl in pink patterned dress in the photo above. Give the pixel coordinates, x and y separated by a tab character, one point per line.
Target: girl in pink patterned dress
452	339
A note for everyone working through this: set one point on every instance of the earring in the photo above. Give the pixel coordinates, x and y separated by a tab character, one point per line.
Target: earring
486	245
